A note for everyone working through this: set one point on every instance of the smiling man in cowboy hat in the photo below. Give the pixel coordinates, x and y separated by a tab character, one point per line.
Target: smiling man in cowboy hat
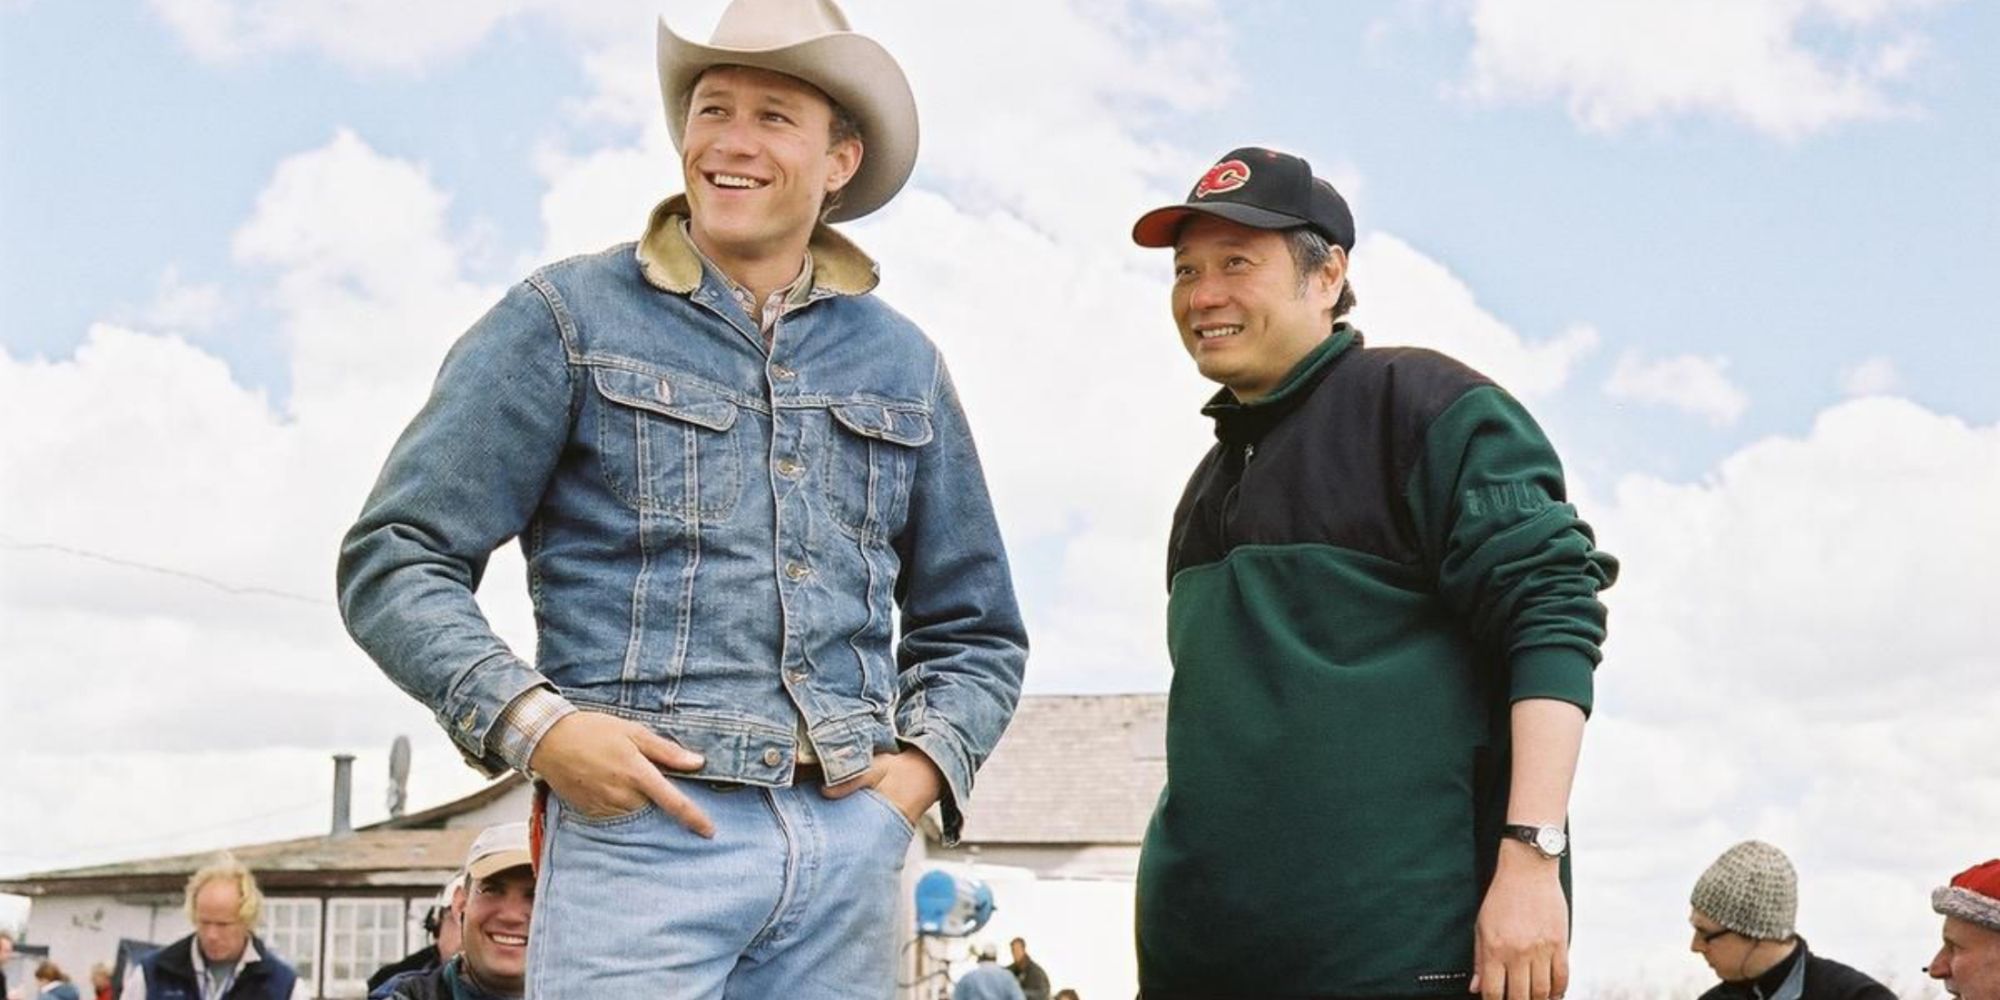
760	547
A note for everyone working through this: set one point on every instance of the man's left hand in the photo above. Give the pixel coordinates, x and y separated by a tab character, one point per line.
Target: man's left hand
907	778
1521	944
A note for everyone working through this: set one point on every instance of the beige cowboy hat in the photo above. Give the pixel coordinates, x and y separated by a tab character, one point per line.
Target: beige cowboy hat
809	40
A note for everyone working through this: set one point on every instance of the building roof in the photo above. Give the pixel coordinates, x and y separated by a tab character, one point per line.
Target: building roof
417	849
436	816
1073	769
362	859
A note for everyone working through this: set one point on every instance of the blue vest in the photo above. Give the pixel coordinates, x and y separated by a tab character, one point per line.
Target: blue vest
170	974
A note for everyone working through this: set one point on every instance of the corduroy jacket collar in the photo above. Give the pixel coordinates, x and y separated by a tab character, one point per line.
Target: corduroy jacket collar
670	263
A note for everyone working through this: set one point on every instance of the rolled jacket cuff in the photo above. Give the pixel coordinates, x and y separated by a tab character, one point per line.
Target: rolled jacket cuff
471	711
956	766
524	722
1557	672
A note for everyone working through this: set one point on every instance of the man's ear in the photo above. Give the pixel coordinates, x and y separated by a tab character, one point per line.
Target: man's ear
1335	270
846	156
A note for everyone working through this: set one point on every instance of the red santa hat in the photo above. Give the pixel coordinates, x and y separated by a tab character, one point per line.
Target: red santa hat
1973	895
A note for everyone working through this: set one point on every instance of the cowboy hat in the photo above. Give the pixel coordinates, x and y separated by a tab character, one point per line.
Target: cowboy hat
810	41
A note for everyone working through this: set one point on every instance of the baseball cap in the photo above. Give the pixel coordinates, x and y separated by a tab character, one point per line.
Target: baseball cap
1260	188
496	849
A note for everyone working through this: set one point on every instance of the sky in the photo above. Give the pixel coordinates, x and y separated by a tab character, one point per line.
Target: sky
1732	254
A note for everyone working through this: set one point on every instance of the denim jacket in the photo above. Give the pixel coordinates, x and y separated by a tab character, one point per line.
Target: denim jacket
722	539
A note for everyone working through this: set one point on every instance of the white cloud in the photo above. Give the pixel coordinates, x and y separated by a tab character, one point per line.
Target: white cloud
1876	376
1068	147
169	535
178	305
1407	297
1768	64
1798	653
365	34
1688	383
599	198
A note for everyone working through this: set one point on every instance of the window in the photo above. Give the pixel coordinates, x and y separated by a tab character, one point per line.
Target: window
362	935
291	928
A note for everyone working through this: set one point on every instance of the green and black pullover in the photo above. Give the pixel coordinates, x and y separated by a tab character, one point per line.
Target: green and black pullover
1368	568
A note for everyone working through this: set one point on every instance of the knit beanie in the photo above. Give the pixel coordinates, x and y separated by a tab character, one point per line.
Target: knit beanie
1751	890
1973	895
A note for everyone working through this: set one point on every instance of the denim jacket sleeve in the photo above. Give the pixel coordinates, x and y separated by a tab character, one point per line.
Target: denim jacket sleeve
964	648
464	478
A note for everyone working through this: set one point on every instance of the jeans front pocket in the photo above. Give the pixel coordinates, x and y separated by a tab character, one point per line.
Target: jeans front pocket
871	453
571	814
668	443
882	800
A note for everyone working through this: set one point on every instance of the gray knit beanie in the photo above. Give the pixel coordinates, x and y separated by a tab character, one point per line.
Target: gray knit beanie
1751	890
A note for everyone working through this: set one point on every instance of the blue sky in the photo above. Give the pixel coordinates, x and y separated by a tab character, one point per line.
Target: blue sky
1792	256
1735	254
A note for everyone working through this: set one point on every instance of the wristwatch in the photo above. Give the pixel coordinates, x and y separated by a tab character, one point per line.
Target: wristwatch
1548	841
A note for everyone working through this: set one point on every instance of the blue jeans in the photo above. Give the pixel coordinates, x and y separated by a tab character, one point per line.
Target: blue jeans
796	895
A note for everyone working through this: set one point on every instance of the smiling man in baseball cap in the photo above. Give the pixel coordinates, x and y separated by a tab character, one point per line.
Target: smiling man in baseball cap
762	552
1383	621
493	908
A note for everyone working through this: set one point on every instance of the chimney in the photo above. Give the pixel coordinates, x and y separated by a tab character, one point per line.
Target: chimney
343	793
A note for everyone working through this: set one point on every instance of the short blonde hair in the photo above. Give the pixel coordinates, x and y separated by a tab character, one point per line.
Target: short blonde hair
225	868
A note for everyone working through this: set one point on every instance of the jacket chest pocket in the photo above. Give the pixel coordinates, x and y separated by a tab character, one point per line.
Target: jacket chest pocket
667	445
871	457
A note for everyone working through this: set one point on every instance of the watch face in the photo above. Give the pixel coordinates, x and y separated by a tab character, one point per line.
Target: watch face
1551	841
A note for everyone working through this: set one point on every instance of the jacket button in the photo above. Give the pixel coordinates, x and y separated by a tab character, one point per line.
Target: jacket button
772	756
789	469
782	373
797	571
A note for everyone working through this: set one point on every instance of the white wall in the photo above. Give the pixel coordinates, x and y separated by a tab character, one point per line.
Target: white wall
81	931
1086	861
1080	930
509	808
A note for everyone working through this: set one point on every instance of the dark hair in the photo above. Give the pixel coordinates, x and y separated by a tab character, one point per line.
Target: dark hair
1310	252
844	125
50	972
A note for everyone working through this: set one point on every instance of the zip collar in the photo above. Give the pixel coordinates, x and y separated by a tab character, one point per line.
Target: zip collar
1235	419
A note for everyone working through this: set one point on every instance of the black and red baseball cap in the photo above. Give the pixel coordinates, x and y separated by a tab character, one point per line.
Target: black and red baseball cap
1260	188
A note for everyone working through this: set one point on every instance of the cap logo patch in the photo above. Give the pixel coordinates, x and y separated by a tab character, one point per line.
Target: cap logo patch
1225	176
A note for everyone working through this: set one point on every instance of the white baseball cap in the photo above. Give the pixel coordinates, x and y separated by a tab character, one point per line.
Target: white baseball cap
498	848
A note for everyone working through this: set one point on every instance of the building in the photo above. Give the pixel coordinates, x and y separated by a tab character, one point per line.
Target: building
1055	828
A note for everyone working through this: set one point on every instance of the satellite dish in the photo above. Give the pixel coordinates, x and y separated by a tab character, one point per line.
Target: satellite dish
399	775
